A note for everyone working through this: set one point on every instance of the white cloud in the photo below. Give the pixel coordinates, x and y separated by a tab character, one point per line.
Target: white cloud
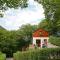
14	18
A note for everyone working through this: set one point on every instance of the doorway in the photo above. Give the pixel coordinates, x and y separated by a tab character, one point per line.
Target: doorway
38	42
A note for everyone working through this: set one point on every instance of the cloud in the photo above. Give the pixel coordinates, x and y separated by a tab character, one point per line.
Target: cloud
14	18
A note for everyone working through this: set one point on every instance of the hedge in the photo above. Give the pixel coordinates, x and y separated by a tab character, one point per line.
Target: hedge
38	54
55	40
2	56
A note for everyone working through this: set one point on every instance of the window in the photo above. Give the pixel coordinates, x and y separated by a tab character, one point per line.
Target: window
44	45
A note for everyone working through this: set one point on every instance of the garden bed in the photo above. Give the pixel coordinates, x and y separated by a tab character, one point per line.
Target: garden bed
38	54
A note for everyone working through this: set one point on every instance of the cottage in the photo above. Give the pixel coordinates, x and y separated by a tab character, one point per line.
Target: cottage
40	38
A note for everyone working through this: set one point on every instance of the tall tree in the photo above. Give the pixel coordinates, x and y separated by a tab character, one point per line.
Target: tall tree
26	32
52	9
52	12
46	25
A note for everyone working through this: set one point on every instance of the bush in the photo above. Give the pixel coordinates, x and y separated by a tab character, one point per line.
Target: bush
55	40
2	56
38	54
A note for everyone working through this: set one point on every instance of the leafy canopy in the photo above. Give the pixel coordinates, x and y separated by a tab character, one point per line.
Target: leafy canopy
52	9
52	13
5	4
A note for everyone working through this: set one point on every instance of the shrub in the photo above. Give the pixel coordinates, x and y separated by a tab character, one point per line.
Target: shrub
38	54
55	40
2	56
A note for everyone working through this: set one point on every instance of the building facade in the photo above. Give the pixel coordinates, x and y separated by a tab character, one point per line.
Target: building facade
40	38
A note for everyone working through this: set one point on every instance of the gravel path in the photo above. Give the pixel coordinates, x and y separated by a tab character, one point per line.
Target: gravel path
51	45
9	58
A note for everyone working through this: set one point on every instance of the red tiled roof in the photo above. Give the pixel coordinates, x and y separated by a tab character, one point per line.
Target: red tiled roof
40	33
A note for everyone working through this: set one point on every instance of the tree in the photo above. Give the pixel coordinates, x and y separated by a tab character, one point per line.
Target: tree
52	12
52	9
46	25
8	43
12	4
50	27
11	41
5	4
26	32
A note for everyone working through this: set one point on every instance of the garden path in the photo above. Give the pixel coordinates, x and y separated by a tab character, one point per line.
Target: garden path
9	58
51	45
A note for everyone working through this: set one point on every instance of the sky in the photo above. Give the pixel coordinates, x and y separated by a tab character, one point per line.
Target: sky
14	18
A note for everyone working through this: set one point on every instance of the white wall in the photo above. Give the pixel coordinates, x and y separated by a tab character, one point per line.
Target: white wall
41	38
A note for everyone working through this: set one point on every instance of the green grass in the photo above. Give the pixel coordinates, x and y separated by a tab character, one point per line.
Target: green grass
2	56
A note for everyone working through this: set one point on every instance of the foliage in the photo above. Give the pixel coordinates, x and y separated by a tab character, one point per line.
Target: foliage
53	29
52	13
51	8
55	40
11	41
12	4
5	4
38	54
2	56
26	31
7	42
44	24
